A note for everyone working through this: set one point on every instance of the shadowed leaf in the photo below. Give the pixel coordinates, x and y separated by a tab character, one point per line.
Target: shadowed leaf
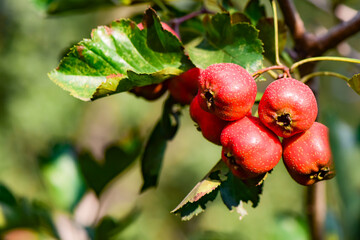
6	196
267	35
227	42
254	10
117	159
164	130
234	192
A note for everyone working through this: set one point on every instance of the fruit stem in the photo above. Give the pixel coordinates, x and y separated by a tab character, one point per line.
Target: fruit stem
285	69
315	74
324	58
277	58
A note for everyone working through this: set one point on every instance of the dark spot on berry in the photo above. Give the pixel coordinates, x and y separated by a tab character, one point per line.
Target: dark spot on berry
284	120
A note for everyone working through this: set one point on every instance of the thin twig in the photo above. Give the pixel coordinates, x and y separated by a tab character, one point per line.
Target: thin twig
306	78
277	58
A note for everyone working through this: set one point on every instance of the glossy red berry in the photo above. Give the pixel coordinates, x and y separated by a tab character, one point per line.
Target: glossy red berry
184	87
210	125
307	156
287	107
249	148
227	90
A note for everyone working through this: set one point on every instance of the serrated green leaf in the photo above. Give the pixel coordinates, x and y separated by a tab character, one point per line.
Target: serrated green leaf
120	57
234	191
59	6
354	83
267	36
206	190
164	130
117	159
254	10
227	42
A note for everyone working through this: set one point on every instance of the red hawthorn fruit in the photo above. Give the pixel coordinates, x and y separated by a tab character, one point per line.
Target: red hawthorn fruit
287	107
150	92
307	155
227	90
249	148
165	26
209	124
184	87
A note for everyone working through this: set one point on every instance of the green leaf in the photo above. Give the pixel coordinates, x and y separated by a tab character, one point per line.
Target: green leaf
254	10
120	57
267	36
234	192
164	130
60	6
109	227
206	190
290	226
62	176
117	159
354	83
6	197
227	42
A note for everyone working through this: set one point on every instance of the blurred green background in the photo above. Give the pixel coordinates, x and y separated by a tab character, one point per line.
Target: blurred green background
35	114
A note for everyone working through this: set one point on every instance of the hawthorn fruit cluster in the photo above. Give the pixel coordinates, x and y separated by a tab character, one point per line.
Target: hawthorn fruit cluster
250	145
221	98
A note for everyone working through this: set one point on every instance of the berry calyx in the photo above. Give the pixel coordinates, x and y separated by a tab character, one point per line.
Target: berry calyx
287	107
227	90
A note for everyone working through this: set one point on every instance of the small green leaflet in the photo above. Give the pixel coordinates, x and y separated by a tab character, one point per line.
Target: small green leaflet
354	83
225	42
204	191
120	57
234	192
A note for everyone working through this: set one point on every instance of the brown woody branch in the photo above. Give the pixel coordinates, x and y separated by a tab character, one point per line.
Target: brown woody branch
306	44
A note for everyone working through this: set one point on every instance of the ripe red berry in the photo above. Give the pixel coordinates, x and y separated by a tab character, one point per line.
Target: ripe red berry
184	87
287	107
249	148
227	90
150	92
165	27
209	124
307	155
